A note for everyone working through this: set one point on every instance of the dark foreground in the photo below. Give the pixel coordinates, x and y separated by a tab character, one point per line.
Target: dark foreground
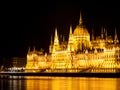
60	74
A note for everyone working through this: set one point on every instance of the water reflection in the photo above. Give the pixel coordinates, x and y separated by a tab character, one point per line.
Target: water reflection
60	83
6	84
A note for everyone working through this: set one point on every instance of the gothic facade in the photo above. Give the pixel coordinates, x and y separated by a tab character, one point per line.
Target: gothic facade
79	51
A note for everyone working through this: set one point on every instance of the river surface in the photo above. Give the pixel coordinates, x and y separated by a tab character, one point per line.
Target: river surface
59	83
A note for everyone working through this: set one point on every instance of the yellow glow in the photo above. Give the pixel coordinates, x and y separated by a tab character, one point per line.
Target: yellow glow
78	53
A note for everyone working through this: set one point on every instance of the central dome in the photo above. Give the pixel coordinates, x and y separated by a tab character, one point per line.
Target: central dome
80	30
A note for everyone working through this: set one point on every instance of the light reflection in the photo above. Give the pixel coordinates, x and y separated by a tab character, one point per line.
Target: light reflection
73	83
60	83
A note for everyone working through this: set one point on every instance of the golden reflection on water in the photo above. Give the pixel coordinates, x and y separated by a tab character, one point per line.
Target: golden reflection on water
60	83
72	83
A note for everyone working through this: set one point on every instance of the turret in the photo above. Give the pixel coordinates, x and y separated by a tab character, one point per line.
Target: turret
70	36
116	37
51	45
70	42
56	41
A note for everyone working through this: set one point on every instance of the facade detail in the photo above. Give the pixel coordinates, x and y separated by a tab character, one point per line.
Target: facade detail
100	52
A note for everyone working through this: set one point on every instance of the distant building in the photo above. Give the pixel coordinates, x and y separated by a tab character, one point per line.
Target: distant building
79	51
15	62
18	62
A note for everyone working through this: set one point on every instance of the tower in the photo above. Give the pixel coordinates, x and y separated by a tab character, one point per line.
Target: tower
56	41
51	45
116	38
70	42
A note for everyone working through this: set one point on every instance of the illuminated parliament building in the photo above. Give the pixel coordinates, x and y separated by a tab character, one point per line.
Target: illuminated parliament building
79	52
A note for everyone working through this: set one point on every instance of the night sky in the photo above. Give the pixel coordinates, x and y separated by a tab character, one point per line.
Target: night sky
32	25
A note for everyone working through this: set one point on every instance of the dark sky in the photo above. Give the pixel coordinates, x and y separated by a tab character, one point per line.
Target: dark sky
32	25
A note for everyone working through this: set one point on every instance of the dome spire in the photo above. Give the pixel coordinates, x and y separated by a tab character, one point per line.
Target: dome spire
80	20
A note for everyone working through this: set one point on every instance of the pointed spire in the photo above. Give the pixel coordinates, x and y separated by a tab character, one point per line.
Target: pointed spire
56	41
56	32
80	20
70	42
70	29
70	34
116	37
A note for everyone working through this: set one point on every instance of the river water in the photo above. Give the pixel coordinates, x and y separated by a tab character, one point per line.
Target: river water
59	83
